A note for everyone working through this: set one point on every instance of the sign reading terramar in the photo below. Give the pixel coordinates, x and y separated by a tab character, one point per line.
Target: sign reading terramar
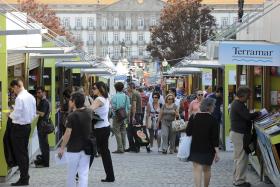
249	53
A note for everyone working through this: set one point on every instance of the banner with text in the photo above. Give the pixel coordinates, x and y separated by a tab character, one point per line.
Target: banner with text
249	53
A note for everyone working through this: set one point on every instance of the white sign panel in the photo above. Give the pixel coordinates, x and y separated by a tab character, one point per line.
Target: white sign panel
207	78
249	53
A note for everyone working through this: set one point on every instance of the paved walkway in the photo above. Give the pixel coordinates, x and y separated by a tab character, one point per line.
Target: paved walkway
141	170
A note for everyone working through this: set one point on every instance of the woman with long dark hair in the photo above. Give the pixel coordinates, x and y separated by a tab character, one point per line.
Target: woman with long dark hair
102	128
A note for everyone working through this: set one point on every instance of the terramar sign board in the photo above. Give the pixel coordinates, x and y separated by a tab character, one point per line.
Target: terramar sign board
249	53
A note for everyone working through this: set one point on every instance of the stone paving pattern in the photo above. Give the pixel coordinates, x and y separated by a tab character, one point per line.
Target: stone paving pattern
141	170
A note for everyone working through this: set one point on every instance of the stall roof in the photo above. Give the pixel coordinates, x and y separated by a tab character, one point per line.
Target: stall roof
184	71
76	64
202	64
57	56
42	50
97	71
23	32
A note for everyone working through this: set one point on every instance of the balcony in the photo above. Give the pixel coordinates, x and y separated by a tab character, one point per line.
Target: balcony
90	42
90	28
142	42
104	43
104	27
78	28
128	27
116	27
116	42
141	27
67	27
128	42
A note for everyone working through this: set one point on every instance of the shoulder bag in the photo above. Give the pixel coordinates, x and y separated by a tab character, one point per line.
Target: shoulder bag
121	113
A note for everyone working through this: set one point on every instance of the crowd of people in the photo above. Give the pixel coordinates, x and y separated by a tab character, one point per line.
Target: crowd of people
148	109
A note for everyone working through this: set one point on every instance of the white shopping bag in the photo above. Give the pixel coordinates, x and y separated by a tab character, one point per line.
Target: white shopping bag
184	148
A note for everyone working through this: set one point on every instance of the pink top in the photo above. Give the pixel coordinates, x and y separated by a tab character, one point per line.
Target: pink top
194	107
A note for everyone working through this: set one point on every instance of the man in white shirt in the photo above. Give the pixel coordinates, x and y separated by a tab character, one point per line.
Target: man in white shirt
22	115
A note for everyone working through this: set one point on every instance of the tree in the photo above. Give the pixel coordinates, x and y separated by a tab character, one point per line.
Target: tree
183	26
43	14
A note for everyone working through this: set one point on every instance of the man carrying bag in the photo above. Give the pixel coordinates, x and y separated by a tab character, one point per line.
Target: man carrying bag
43	110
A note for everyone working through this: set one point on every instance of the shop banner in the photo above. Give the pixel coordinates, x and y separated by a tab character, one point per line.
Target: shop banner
249	53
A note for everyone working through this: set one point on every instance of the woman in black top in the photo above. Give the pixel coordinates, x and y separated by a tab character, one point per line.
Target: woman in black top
203	128
78	128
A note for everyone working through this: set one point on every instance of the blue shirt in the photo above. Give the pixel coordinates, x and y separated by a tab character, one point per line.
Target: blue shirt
120	100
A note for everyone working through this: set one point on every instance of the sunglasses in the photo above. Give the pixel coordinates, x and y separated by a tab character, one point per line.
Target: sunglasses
94	88
200	94
155	97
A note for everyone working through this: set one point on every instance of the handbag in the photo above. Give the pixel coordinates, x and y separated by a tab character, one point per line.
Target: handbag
90	146
47	126
249	142
121	113
179	125
184	148
140	136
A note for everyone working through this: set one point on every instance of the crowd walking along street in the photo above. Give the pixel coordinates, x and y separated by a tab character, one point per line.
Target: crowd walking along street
130	93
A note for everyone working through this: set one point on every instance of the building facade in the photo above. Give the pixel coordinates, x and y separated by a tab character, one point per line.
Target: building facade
120	28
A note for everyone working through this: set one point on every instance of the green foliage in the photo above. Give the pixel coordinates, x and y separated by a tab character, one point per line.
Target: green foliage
183	26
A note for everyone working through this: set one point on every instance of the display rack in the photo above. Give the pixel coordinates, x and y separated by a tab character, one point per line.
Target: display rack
268	133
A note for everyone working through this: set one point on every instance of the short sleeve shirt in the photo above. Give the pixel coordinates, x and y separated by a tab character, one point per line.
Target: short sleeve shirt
43	106
136	97
80	123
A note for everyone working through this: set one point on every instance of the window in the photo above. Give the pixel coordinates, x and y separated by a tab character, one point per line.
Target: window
78	22
127	36
78	37
128	22
90	50
104	51
116	52
90	37
116	37
90	22
104	37
129	50
153	21
235	19
66	22
104	22
141	22
140	51
224	22
116	22
140	37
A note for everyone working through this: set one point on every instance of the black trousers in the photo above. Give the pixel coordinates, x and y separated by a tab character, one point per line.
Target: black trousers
133	145
20	138
44	145
102	140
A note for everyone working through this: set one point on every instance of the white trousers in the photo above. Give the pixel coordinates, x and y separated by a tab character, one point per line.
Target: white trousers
77	163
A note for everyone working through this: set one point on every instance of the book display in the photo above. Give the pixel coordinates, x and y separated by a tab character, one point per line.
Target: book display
268	132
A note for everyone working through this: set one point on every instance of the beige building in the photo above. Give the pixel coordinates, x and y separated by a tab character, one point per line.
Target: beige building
120	28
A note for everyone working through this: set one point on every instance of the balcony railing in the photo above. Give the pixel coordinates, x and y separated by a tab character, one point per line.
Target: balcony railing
90	28
90	42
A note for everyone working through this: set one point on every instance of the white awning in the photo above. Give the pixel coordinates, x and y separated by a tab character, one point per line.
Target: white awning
57	56
76	64
42	50
97	71
184	71
202	64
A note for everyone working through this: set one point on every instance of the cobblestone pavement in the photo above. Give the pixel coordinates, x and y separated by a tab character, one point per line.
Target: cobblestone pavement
141	170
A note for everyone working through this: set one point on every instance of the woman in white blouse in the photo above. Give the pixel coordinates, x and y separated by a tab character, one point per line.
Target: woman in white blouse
102	128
